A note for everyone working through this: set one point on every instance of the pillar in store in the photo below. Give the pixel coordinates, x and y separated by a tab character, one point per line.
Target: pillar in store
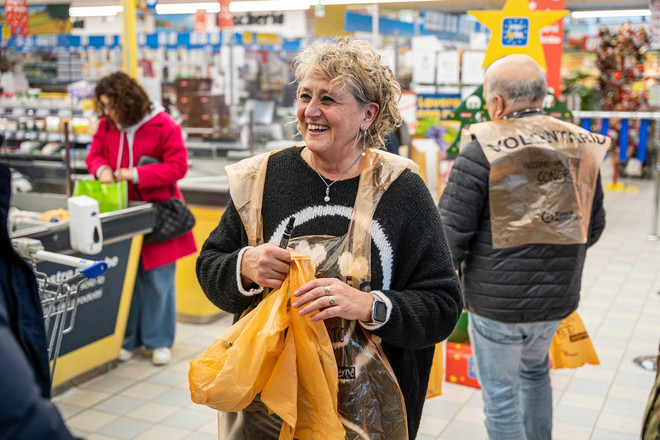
129	38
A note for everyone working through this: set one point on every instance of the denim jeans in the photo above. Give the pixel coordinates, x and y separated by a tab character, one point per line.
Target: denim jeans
512	368
152	317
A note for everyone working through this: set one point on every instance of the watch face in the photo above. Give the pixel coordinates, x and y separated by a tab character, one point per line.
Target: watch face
379	312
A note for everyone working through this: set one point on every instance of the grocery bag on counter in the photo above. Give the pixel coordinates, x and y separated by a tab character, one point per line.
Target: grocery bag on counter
284	357
111	196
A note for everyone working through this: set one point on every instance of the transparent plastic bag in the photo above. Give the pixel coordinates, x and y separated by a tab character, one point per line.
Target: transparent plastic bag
543	175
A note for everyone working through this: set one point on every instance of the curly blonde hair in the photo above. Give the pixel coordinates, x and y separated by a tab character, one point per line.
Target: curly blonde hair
355	63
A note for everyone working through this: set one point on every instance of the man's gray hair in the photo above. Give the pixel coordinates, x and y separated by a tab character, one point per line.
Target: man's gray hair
519	91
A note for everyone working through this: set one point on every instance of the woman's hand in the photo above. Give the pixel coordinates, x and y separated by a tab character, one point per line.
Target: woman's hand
267	265
125	174
333	298
106	176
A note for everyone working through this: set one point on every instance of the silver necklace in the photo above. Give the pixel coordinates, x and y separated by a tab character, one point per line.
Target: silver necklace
328	185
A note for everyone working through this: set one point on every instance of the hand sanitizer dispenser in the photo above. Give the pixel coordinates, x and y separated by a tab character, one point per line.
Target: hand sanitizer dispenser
85	225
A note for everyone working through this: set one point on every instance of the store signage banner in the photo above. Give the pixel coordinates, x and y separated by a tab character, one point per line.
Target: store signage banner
448	26
552	38
516	28
41	19
354	22
438	106
169	40
200	21
16	13
147	4
225	17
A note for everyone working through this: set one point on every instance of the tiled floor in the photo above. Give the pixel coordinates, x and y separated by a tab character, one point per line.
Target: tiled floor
620	306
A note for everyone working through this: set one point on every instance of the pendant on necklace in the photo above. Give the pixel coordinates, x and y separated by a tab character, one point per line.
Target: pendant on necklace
327	194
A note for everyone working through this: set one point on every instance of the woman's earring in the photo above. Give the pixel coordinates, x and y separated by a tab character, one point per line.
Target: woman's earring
364	141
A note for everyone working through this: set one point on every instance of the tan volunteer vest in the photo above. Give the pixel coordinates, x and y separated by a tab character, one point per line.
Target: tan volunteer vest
543	175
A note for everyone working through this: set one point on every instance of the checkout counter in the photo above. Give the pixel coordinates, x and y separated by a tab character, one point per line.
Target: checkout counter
93	345
103	302
205	190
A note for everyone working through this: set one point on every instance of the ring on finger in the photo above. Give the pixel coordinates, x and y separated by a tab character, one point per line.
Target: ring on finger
331	300
327	290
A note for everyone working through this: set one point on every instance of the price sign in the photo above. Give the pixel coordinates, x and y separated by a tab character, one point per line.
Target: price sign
16	13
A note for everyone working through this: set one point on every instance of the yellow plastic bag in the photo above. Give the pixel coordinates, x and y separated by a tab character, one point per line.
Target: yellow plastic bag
437	373
571	347
276	352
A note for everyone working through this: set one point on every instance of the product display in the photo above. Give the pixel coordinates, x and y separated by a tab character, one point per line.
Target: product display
460	365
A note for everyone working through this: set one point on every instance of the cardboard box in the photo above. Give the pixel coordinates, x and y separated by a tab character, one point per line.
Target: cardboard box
460	366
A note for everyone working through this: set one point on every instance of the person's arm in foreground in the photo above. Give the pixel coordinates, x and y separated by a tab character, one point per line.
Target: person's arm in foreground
25	413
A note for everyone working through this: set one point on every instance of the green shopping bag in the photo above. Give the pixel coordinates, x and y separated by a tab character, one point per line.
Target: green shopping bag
111	196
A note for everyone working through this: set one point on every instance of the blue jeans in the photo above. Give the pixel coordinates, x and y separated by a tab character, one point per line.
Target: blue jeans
152	317
512	368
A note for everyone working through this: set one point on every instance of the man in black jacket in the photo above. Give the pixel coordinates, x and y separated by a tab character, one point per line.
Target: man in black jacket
522	205
27	412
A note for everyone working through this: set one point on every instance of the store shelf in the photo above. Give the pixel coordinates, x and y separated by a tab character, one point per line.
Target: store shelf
42	112
46	137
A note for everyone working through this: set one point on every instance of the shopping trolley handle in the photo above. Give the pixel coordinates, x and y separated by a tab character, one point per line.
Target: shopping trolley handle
33	249
96	269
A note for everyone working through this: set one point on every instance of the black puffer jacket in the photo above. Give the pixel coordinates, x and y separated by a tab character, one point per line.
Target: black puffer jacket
537	282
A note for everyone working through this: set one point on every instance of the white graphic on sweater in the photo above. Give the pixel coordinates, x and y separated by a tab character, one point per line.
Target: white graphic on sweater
378	236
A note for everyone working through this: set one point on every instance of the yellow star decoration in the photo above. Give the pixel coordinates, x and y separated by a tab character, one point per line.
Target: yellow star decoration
516	30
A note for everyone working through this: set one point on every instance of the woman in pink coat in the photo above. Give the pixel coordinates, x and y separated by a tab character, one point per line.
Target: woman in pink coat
133	127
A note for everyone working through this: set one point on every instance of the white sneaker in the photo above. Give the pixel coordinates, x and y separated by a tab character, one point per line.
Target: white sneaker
125	355
161	356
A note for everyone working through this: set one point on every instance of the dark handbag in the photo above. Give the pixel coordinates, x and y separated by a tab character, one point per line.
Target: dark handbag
173	219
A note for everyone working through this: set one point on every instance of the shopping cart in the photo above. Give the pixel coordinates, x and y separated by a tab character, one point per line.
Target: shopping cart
59	298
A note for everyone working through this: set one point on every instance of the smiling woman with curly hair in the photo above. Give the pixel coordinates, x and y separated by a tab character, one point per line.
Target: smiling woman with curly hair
371	227
138	142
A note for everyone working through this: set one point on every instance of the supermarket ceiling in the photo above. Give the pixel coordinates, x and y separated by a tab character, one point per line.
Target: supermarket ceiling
456	6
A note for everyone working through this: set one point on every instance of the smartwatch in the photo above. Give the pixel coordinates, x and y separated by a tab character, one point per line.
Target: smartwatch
378	311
